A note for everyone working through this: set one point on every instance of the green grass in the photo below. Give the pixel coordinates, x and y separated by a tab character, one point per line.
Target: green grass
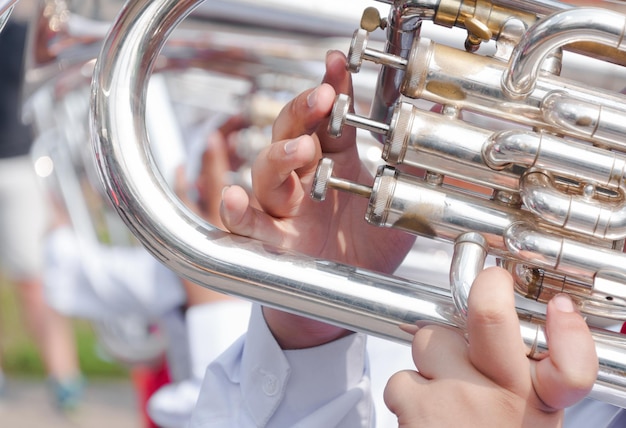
20	356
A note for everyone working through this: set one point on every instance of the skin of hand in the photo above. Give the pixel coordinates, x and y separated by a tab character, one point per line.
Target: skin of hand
334	229
217	160
487	381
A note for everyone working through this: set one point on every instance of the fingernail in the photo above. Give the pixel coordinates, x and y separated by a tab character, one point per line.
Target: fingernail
409	328
224	189
563	303
311	99
292	145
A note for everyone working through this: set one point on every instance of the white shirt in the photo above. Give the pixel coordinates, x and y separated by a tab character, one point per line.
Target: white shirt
596	414
97	282
257	384
117	285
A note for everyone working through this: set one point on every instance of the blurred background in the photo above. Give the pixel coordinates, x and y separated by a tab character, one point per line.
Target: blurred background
107	398
79	346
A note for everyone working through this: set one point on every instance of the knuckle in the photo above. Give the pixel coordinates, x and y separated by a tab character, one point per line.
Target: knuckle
488	315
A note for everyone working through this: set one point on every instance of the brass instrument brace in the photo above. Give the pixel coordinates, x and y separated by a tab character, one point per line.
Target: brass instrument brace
482	19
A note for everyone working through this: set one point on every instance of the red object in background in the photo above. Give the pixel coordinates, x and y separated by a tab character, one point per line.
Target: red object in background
147	380
623	330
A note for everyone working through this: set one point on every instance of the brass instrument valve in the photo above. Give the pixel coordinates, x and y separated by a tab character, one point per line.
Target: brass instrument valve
340	116
359	52
325	180
396	133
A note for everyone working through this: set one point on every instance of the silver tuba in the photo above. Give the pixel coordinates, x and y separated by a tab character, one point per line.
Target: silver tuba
550	190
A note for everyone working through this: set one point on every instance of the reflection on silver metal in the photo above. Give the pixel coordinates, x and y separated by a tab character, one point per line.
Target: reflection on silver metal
6	8
470	253
405	21
343	295
565	27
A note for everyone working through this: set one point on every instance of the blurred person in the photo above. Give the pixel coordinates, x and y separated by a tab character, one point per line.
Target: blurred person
213	320
23	217
198	323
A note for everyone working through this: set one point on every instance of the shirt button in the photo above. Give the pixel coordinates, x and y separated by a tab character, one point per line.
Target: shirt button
270	384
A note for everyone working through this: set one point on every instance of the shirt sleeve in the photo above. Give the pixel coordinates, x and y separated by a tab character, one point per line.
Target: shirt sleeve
592	413
100	282
257	384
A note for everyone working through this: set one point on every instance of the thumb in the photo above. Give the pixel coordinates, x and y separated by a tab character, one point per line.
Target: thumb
568	374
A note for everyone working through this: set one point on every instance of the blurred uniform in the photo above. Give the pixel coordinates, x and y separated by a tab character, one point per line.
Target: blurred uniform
23	213
23	220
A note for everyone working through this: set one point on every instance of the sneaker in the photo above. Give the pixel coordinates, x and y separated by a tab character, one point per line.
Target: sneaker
171	405
67	394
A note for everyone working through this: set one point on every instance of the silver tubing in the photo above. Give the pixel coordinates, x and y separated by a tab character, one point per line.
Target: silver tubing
405	18
197	250
343	295
540	7
573	25
470	253
577	213
6	8
438	73
429	140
